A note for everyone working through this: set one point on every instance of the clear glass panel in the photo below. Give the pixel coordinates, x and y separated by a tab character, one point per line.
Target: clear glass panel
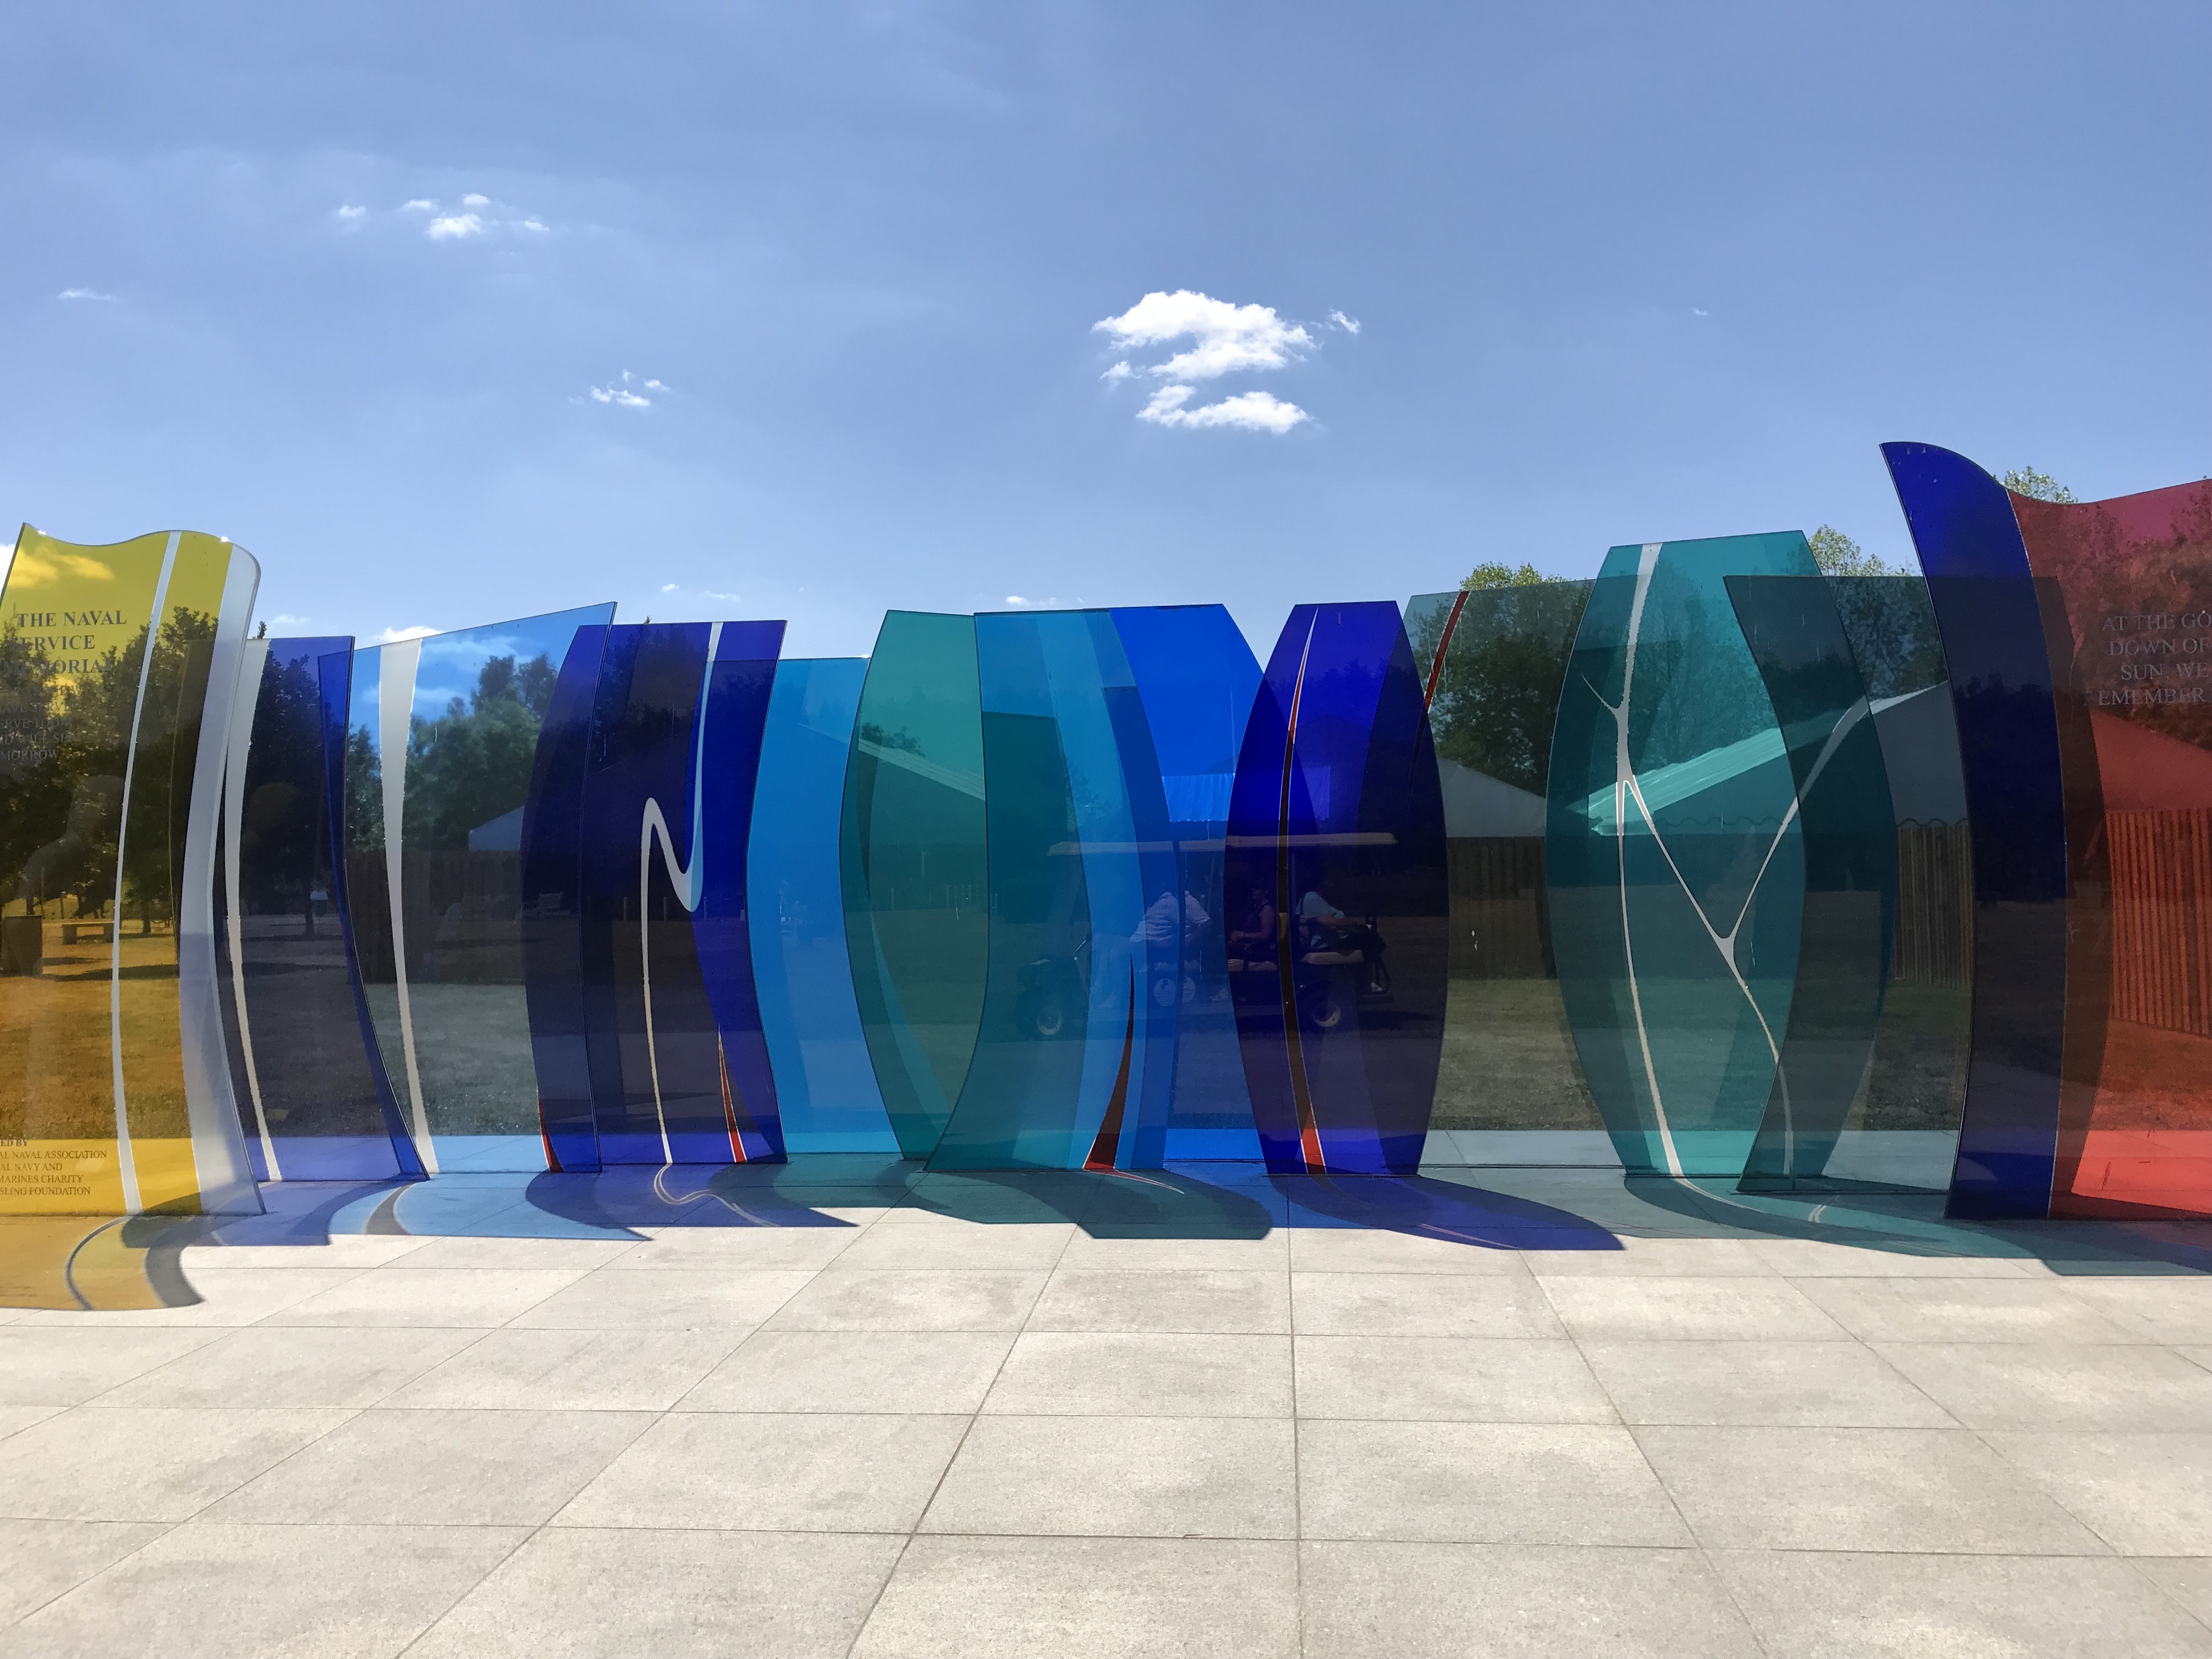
1336	852
915	870
1197	677
1510	1090
826	1089
443	736
1674	856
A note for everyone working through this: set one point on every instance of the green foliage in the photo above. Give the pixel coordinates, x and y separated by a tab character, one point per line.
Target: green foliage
1490	574
1499	691
1891	624
472	764
1838	555
2041	486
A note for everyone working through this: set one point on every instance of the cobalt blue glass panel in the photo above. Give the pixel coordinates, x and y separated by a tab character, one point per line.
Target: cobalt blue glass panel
1074	1057
1196	677
2002	694
663	1091
1336	857
732	710
1674	856
313	1107
552	910
826	1090
1849	834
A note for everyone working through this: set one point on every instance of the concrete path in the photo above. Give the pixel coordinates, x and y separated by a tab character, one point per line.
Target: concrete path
1000	1416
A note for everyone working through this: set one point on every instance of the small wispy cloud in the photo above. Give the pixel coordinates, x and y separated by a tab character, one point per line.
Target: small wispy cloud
1224	338
1253	412
286	619
1021	604
351	213
86	294
400	636
475	216
447	226
1699	311
628	392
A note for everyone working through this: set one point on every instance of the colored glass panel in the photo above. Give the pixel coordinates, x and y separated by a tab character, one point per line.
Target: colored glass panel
1074	1057
2005	705
676	738
119	665
826	1089
1674	856
1336	856
1904	1131
1494	662
293	993
1847	832
552	910
2135	577
914	870
1196	677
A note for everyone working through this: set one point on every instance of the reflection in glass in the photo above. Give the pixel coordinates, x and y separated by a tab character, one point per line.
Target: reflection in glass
1073	1065
119	665
1196	677
443	733
1509	1090
825	1088
914	868
1338	901
1674	857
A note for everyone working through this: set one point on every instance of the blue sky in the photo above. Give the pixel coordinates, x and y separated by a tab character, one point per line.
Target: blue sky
1620	272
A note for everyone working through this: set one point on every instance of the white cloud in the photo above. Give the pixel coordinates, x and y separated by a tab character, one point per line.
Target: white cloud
473	200
285	619
350	214
418	205
1253	412
477	215
86	294
668	587
1349	325
1228	337
1120	371
1696	311
397	635
1021	604
619	393
451	225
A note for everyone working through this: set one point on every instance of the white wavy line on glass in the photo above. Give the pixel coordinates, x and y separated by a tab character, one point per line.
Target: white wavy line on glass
688	881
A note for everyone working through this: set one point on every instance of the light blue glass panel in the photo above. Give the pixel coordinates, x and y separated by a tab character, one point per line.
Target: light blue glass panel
825	1082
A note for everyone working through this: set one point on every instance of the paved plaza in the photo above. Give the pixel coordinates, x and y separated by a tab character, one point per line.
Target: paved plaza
889	1414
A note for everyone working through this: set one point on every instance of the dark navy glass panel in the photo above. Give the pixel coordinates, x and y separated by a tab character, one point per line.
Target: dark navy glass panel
1849	834
311	1103
1196	677
552	910
826	1089
1336	849
663	1091
914	868
1509	1089
2003	697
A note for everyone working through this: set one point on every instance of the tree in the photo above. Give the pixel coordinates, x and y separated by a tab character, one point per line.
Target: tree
1838	555
1490	574
2039	486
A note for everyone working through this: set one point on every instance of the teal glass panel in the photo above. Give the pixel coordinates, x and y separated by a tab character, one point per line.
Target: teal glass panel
443	732
825	1085
911	851
1075	1060
1674	857
1510	1090
1905	1130
1848	834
